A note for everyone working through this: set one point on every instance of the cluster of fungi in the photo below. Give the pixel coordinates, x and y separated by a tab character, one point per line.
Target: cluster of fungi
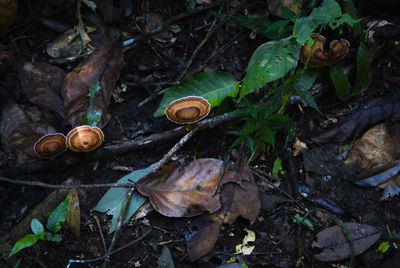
79	139
186	110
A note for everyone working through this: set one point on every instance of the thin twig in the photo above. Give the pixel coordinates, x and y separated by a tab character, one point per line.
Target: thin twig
210	32
101	233
121	218
57	186
110	253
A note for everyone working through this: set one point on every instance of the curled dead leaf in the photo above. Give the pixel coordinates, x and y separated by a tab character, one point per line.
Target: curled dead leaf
41	84
107	62
183	191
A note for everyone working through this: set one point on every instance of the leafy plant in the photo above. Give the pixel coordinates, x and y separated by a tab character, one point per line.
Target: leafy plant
92	117
260	126
363	77
53	226
299	219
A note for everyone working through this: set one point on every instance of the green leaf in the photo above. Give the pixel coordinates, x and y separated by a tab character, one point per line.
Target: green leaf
287	13
269	62
277	168
27	241
384	246
303	86
165	260
297	219
250	143
346	18
114	198
58	215
36	226
94	87
92	118
237	141
214	86
364	76
321	16
269	136
53	237
340	81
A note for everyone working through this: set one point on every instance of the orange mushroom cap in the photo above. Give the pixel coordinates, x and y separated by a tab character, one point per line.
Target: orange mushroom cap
51	145
320	58
84	138
187	110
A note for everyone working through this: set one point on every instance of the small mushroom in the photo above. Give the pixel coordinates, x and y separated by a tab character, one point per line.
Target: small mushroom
6	59
51	145
84	138
187	110
320	58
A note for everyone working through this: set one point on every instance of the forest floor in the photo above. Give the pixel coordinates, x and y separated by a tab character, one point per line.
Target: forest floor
316	178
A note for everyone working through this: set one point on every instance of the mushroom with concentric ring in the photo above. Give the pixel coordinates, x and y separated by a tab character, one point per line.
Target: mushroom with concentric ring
51	145
84	139
319	58
187	110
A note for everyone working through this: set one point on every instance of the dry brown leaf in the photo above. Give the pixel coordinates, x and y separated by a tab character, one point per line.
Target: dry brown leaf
240	199
11	117
335	245
205	229
183	191
74	213
41	84
25	135
106	60
380	144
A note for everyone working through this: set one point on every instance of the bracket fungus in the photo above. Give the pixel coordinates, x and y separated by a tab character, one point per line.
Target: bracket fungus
320	58
51	145
187	110
84	139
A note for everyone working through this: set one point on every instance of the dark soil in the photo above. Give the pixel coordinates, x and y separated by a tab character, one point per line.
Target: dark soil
152	65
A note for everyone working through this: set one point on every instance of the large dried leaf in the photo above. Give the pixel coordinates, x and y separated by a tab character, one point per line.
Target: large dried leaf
11	117
25	135
360	121
335	245
41	84
240	199
183	191
106	61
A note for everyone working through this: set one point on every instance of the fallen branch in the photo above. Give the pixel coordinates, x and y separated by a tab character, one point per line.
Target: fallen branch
124	147
62	186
